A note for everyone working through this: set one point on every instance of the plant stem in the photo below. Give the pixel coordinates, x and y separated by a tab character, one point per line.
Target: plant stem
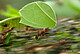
7	38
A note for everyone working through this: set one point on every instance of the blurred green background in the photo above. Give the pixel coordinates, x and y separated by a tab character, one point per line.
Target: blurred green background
18	4
15	3
62	8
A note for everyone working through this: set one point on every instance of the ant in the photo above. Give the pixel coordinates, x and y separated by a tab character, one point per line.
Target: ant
36	36
5	32
41	33
11	28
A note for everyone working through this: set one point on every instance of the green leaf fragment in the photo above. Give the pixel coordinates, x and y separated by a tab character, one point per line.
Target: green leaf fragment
23	21
38	14
11	22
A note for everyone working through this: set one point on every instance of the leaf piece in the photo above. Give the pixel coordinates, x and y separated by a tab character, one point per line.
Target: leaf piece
23	21
11	22
38	14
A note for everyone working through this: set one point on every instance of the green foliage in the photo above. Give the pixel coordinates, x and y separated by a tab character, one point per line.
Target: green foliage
62	10
11	12
74	4
38	14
